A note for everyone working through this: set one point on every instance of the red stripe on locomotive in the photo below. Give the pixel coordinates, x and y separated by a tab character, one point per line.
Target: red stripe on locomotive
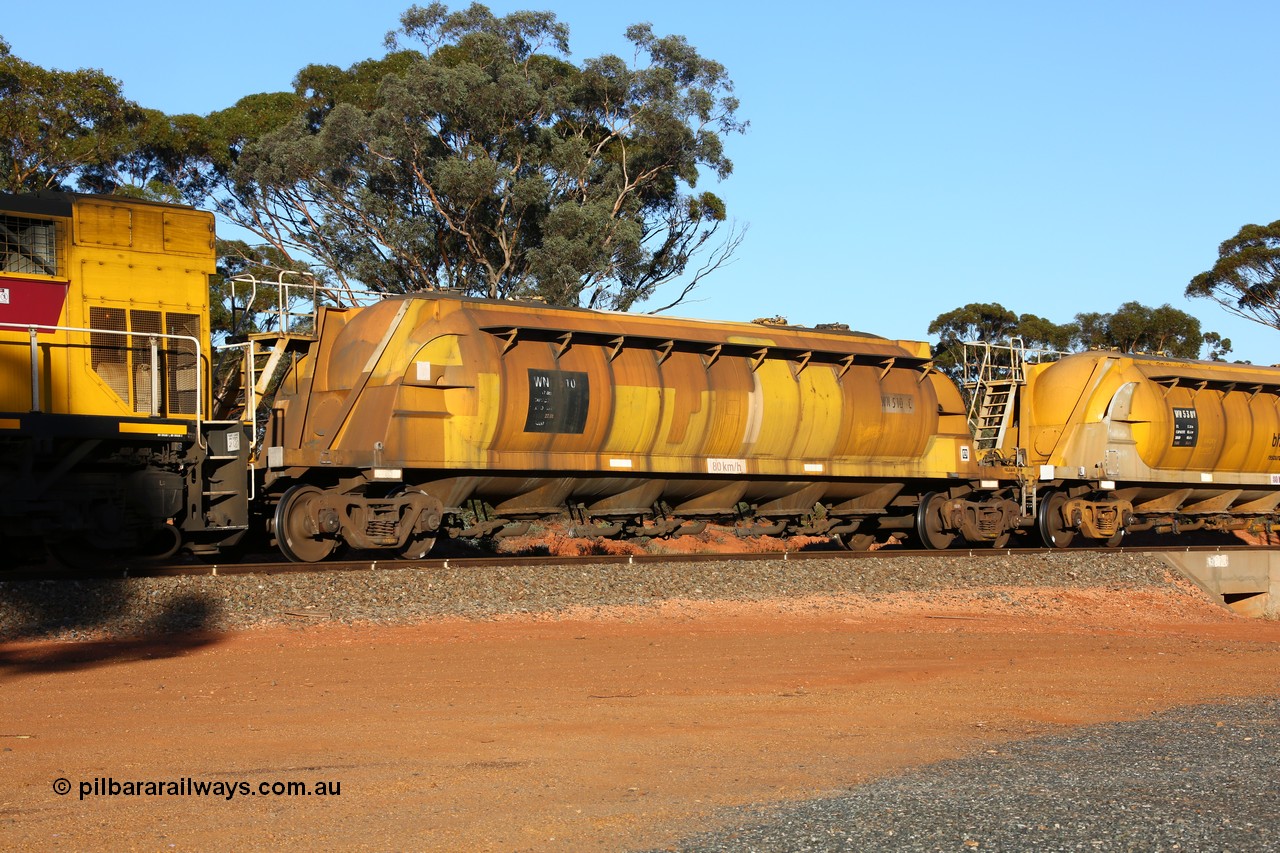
24	300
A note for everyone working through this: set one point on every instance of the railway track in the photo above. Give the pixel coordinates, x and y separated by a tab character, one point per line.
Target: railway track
152	600
143	569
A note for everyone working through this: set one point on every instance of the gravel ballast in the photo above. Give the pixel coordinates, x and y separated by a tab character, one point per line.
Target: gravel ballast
1194	779
81	609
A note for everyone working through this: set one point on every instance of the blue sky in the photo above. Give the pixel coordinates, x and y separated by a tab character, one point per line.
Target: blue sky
903	158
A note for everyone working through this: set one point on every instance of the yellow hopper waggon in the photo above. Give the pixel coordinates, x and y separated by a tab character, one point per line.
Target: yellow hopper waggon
1121	443
472	417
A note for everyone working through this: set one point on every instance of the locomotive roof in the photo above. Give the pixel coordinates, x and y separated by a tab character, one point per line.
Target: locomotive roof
60	203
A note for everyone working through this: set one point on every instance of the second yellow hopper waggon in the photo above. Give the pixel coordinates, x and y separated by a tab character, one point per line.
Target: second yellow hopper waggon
1121	443
426	415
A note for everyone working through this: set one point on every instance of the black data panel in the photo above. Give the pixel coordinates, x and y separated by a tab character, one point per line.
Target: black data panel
558	401
1186	427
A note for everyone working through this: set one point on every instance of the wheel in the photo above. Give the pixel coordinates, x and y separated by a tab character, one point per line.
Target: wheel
418	547
429	513
297	535
166	542
1001	541
1114	541
929	528
1053	529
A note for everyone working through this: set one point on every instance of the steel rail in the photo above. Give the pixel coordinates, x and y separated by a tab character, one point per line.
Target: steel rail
145	569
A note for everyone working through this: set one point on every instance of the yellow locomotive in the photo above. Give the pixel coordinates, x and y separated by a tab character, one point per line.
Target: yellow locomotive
105	441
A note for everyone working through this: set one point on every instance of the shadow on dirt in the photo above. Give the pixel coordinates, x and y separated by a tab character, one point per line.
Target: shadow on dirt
38	617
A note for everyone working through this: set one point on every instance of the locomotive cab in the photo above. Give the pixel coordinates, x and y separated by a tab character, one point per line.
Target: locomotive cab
104	343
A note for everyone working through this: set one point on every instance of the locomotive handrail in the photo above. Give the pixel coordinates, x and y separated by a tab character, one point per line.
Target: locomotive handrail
249	380
36	328
283	312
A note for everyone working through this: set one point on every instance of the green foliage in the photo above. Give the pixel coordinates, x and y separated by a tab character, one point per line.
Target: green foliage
1132	327
150	166
991	322
490	164
975	321
487	164
1246	278
1039	333
1218	346
58	125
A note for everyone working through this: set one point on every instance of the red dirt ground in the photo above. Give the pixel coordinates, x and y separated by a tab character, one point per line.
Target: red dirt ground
599	730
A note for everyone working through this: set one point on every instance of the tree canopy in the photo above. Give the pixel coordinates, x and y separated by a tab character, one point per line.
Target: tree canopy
57	127
1132	327
990	321
482	161
488	164
1246	278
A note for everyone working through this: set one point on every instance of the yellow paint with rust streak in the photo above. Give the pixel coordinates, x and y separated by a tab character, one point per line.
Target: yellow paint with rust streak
468	434
635	418
820	406
779	398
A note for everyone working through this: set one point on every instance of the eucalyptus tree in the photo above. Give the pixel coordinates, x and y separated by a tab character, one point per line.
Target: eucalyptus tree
1133	327
1245	280
58	126
983	321
488	163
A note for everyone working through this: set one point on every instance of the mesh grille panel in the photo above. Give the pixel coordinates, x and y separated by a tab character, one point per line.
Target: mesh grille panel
28	245
124	362
181	363
110	357
142	324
